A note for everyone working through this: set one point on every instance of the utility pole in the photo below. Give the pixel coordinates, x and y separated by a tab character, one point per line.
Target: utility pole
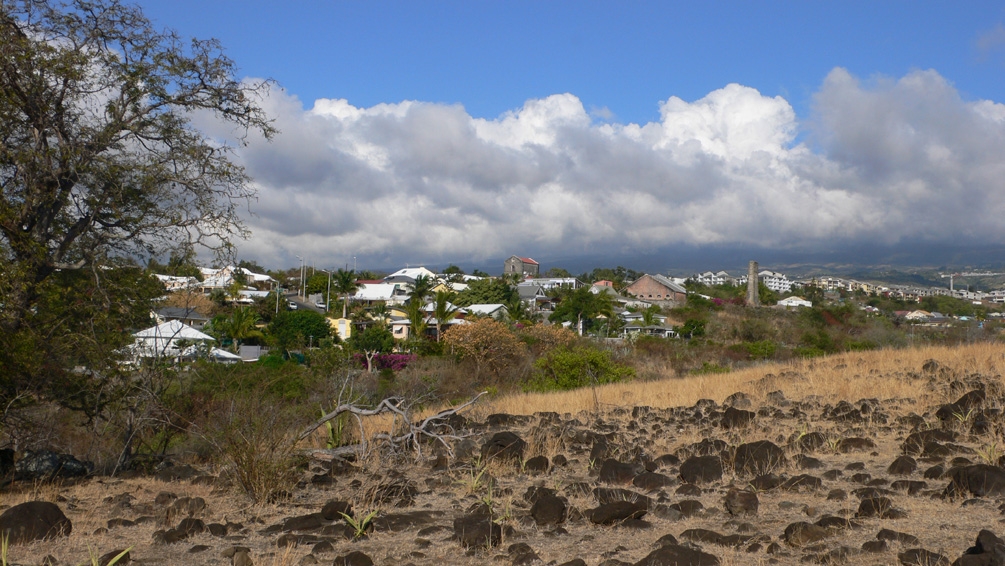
301	258
328	297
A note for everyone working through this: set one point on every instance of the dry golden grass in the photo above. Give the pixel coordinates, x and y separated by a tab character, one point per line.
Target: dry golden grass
848	376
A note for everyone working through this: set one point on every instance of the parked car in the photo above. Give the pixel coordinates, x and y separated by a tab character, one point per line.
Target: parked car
320	305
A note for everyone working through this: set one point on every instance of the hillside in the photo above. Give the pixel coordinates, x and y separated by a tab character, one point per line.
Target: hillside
863	458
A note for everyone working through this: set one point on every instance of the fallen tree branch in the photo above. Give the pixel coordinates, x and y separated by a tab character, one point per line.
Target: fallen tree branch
390	405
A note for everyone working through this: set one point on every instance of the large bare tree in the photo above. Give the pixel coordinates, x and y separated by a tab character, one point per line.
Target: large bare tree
100	162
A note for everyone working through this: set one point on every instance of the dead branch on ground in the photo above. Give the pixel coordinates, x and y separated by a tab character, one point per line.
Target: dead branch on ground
397	408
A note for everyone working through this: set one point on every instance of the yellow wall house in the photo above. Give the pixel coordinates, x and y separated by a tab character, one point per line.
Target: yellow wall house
342	326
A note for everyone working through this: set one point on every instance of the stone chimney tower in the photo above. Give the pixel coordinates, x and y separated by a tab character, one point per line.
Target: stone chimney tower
753	293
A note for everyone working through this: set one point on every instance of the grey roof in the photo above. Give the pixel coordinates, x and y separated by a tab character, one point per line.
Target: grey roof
666	282
181	312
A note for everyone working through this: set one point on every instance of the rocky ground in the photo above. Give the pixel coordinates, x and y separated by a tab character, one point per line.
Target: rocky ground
750	479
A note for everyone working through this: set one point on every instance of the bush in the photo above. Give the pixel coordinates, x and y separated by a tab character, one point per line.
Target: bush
257	440
761	350
490	345
692	328
710	367
570	368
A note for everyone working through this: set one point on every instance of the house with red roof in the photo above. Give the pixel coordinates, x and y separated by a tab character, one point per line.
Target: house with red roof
524	266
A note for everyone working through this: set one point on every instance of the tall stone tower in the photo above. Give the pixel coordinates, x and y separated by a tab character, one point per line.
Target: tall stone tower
753	294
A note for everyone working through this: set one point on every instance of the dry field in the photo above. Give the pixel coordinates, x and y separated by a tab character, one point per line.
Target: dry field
626	466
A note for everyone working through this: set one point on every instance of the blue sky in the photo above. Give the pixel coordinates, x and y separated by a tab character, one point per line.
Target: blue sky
628	56
616	129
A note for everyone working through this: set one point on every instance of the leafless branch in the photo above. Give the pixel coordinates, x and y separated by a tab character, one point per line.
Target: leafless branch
394	405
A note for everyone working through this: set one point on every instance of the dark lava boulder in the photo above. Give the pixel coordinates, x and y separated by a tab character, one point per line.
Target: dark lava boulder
34	520
922	557
903	466
739	502
989	550
879	507
504	445
757	458
477	530
676	555
549	510
615	472
354	558
736	418
617	512
979	479
802	534
701	469
537	465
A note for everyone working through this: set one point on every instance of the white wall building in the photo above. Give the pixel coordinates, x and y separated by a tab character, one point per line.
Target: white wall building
775	281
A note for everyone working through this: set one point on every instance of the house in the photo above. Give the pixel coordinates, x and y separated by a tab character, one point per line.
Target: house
177	283
167	340
341	326
188	316
409	275
794	301
775	281
388	293
636	317
657	288
654	330
223	278
712	279
554	282
524	266
534	297
496	311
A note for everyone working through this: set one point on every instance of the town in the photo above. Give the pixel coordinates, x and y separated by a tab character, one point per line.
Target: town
630	303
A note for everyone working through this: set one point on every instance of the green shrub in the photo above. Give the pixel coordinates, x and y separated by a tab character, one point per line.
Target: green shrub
761	350
692	328
567	368
860	345
710	367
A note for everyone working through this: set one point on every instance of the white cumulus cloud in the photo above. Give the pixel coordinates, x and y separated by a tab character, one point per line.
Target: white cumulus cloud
887	161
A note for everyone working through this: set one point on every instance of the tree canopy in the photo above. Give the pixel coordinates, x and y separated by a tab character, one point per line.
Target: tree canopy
487	292
296	329
100	162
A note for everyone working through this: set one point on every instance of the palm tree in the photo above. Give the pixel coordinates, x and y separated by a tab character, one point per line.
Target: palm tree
649	315
379	312
421	288
443	310
345	285
240	325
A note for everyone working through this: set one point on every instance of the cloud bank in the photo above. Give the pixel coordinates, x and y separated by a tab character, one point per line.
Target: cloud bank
883	161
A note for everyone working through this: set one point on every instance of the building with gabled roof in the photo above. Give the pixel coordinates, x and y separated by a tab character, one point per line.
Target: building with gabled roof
523	266
658	289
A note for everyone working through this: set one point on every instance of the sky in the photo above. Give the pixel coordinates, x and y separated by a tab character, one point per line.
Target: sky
602	133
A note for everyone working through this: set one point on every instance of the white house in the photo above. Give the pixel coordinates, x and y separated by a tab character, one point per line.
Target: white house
389	293
177	283
222	278
167	340
409	275
794	301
